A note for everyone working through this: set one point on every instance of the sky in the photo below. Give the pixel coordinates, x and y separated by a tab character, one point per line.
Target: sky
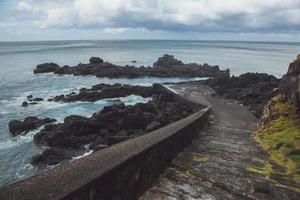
263	20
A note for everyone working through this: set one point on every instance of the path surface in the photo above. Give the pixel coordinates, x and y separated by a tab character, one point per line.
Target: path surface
220	163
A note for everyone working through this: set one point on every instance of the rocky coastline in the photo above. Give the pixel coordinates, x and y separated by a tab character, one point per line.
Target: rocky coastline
165	66
104	91
114	124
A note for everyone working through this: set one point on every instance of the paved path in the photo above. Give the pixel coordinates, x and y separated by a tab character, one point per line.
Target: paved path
220	162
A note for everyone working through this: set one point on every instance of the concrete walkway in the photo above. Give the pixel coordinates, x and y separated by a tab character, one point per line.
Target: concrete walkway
224	162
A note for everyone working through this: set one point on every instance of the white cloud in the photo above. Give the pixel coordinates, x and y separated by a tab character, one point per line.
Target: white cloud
194	15
24	6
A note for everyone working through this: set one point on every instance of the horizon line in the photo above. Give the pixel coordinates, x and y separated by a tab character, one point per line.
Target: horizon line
195	40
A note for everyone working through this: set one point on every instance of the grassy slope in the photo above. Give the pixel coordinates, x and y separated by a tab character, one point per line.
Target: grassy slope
281	138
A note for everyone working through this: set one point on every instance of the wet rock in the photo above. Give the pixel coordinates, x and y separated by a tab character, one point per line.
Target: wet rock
38	99
114	123
53	156
104	91
46	68
24	104
32	101
96	60
17	127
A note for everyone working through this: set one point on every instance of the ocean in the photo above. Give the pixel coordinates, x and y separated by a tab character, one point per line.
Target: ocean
17	81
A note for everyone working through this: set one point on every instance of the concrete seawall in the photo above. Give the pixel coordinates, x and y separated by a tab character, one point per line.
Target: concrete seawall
123	171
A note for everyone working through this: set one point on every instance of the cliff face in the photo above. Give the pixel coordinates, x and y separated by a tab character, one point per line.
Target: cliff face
279	129
290	84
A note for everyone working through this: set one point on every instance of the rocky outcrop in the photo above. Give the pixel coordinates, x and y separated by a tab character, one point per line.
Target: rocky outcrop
114	123
290	84
250	89
166	66
279	128
46	68
96	60
104	91
17	127
31	101
53	156
167	61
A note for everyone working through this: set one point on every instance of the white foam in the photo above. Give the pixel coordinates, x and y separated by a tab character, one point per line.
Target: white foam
18	140
83	155
169	88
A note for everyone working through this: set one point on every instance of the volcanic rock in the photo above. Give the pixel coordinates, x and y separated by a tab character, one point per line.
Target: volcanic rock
17	127
46	68
251	89
166	66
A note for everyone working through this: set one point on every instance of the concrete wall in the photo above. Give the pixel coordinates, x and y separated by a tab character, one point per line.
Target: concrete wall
123	171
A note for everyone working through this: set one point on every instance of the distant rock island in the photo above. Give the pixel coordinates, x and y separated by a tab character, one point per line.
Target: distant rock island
165	66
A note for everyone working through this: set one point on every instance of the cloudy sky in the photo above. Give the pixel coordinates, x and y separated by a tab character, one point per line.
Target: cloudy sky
150	19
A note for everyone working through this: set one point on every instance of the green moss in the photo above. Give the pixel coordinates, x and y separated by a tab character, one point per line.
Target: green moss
281	138
266	170
186	173
200	159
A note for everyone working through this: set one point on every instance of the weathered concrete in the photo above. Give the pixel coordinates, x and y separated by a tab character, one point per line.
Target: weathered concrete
122	171
217	165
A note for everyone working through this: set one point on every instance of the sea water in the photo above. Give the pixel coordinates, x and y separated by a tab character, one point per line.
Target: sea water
18	59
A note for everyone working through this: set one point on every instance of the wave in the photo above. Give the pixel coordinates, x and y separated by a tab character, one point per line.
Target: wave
56	110
18	140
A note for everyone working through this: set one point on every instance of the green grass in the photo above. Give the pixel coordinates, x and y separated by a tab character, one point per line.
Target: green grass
281	138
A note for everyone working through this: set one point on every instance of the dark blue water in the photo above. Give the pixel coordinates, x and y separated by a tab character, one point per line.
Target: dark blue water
18	59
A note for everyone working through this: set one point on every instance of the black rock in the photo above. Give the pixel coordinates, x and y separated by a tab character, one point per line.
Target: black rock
25	104
37	99
251	89
114	123
167	61
53	156
17	127
46	68
166	66
104	91
95	60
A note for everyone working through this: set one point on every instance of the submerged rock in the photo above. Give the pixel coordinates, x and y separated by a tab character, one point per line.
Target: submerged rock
31	101
17	127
